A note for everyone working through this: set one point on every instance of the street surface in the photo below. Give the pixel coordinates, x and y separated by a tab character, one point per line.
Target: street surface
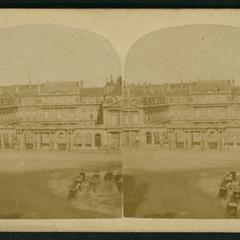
175	184
34	186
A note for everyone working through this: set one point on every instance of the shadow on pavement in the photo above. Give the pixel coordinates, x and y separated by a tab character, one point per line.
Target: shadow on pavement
134	194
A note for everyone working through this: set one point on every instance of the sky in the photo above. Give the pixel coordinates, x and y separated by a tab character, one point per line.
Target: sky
186	53
41	53
153	45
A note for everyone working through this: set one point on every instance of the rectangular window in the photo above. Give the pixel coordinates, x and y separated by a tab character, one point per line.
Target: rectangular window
125	119
135	118
113	119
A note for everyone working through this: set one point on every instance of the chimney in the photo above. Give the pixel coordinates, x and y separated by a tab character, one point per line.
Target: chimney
120	79
189	86
168	86
38	88
124	83
16	88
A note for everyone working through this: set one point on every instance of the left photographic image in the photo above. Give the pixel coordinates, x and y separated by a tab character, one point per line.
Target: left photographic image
59	140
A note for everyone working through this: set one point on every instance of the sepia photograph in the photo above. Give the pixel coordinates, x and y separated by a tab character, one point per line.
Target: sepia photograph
59	138
183	87
119	120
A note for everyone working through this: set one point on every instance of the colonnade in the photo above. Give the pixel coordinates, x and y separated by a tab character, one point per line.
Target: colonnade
68	140
193	138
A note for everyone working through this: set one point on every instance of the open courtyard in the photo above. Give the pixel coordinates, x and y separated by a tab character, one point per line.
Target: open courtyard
176	184
34	185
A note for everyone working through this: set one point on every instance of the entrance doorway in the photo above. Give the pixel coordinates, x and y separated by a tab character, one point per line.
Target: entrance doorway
149	138
212	139
114	141
98	140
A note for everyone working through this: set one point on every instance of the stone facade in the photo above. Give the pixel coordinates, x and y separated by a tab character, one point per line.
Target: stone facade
194	115
67	116
58	116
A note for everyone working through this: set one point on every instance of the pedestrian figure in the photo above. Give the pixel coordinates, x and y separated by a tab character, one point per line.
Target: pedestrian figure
232	208
96	177
72	193
81	177
108	177
223	191
234	175
118	181
94	181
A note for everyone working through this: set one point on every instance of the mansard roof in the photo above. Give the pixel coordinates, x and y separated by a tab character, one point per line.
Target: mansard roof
8	89
123	103
59	87
179	89
147	90
211	85
236	90
92	92
117	91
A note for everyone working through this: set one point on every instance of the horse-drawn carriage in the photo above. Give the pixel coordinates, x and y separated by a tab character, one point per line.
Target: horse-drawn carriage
223	192
230	191
236	194
232	208
91	183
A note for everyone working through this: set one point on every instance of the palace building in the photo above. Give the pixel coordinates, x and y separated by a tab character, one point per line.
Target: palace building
67	116
59	116
193	115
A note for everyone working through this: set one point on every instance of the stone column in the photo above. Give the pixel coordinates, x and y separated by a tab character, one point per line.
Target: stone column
206	146
223	140
187	140
202	143
219	140
34	141
19	140
173	140
38	141
130	138
190	140
70	142
184	141
2	141
234	141
51	139
55	143
84	140
174	135
23	141
108	141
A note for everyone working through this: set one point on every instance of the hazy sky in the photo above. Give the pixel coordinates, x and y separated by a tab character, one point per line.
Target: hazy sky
40	53
187	52
53	52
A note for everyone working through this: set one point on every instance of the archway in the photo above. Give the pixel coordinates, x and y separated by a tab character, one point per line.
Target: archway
149	138
98	140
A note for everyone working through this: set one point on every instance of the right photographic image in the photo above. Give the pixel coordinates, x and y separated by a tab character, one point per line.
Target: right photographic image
181	124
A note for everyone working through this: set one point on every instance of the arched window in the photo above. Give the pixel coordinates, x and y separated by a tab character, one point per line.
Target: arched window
6	140
98	139
149	138
212	135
